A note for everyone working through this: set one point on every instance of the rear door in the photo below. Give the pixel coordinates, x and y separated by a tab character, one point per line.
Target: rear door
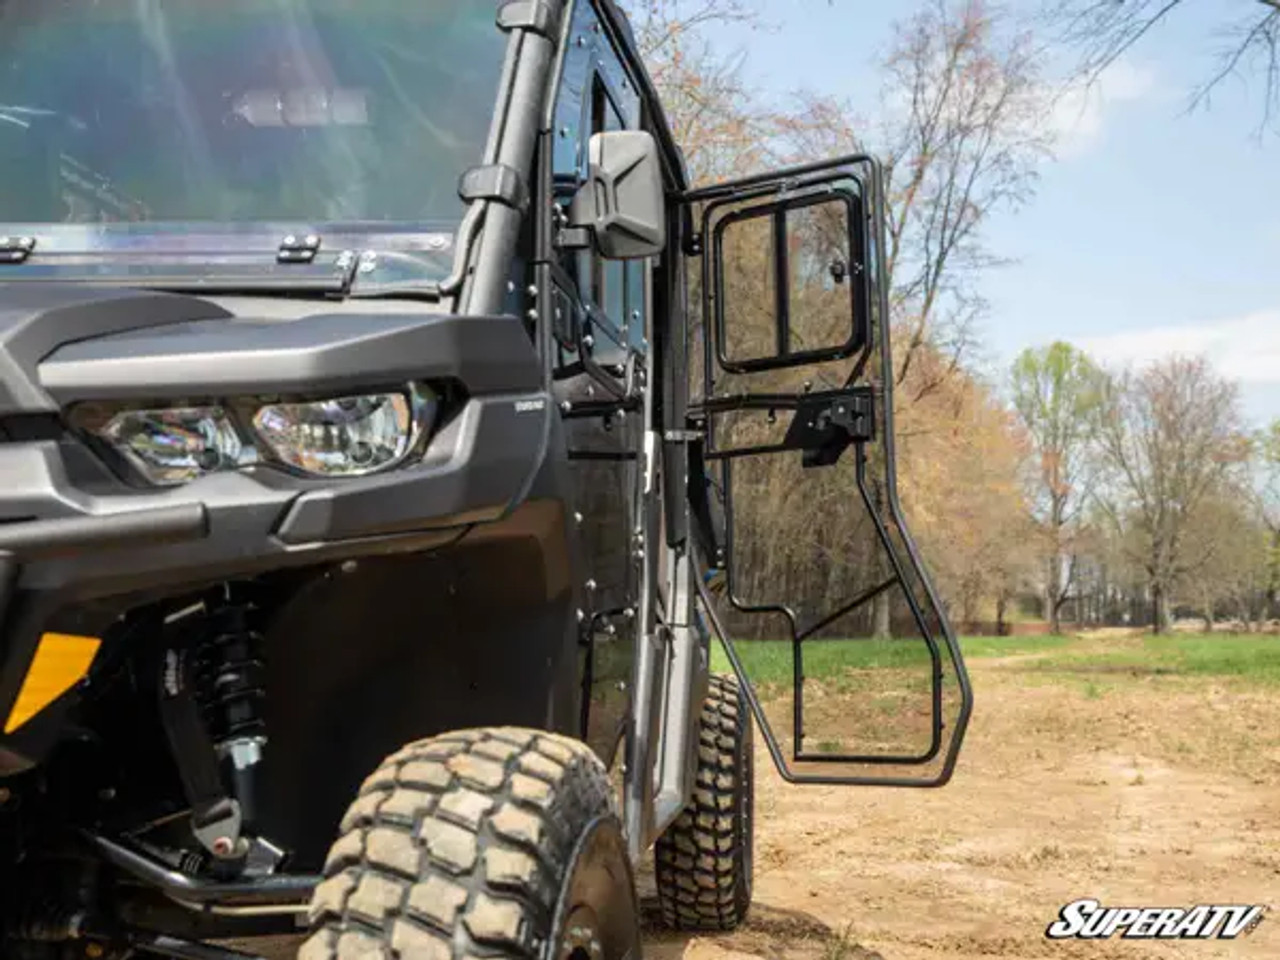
813	581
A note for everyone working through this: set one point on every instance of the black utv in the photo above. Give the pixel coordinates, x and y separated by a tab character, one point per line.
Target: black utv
376	400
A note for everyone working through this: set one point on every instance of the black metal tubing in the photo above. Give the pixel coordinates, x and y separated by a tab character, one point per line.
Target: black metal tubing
859	303
861	599
781	282
760	185
935	656
40	539
771	741
765	401
274	890
793	626
878	214
162	945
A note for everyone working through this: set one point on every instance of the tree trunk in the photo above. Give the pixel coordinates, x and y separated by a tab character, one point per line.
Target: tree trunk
881	628
1001	603
1053	592
1159	609
1208	613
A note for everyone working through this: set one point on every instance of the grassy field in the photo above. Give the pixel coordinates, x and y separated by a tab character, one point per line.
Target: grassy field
1255	659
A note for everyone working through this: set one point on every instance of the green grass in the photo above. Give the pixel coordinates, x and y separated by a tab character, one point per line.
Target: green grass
770	661
1252	658
1255	659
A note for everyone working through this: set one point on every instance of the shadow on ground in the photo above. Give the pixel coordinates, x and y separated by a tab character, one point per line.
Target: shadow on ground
769	932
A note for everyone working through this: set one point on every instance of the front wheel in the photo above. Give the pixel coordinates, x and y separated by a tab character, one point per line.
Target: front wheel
488	843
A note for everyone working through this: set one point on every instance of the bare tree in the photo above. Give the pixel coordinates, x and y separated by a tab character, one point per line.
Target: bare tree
1101	31
961	137
1057	392
1173	434
711	111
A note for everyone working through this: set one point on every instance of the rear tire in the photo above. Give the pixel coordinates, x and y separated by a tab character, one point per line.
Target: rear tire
703	861
480	843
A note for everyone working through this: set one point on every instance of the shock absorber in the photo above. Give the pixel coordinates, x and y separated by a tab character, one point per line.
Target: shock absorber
230	680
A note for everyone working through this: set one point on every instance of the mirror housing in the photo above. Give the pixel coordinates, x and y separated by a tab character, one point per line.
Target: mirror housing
623	204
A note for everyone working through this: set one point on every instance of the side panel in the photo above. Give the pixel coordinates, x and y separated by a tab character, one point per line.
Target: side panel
601	337
389	650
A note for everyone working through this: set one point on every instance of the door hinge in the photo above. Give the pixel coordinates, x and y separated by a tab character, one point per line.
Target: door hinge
825	425
16	249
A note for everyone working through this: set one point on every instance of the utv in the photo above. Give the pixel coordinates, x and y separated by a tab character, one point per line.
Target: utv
376	398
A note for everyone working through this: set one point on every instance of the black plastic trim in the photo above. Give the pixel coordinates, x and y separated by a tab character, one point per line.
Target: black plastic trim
536	16
41	539
328	351
37	318
497	182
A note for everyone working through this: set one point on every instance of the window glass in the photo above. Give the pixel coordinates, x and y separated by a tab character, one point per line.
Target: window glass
242	110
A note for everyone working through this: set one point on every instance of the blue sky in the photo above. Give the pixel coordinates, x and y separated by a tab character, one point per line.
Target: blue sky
1154	231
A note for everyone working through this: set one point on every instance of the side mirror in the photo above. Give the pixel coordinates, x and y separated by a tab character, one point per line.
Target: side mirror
790	278
622	203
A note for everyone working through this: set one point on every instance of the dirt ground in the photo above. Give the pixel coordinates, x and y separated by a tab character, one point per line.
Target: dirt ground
1135	790
1132	790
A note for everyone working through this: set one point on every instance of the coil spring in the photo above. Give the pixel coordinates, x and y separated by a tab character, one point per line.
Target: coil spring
191	862
230	676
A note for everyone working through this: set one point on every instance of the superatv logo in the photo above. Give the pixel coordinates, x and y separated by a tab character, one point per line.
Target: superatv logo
1089	920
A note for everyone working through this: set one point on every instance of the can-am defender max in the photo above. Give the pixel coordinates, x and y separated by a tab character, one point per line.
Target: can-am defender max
361	456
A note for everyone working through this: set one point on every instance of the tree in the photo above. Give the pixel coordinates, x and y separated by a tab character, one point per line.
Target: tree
1230	542
1057	391
723	134
1267	447
961	133
1172	433
1101	31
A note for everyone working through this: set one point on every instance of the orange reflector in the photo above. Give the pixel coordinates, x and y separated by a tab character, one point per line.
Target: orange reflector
61	661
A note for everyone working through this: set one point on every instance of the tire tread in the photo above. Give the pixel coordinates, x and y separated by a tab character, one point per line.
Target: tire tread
454	847
702	879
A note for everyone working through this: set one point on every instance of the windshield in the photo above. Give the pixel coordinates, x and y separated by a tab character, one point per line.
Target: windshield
241	111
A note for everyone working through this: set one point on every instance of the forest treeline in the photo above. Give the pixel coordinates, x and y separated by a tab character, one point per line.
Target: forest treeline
1059	488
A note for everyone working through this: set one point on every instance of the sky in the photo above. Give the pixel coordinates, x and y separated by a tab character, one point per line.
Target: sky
1154	231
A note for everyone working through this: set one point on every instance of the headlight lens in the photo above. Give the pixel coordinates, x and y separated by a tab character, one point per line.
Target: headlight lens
335	437
175	446
348	436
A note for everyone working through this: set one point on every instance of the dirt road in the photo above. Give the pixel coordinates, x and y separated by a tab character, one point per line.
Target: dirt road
1131	789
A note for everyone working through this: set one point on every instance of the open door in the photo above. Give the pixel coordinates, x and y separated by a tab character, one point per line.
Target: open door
814	586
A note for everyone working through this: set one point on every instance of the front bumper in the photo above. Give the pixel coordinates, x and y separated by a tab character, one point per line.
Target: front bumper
71	532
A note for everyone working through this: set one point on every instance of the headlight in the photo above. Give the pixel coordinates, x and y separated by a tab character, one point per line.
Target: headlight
175	446
339	437
349	436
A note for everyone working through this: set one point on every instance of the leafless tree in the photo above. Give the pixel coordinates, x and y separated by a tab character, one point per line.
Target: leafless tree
1173	435
961	136
1102	31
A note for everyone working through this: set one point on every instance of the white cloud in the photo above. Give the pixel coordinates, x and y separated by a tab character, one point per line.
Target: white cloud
1245	348
1078	112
